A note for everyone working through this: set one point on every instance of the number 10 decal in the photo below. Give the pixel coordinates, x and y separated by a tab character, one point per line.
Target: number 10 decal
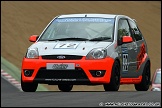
125	62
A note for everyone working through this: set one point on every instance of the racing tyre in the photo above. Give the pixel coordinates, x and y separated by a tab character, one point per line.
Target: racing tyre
65	87
145	83
28	87
115	78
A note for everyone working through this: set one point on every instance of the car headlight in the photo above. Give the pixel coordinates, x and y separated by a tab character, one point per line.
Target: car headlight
32	53
97	53
156	89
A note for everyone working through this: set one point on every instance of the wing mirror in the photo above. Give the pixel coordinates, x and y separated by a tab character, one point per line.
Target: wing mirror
127	39
33	38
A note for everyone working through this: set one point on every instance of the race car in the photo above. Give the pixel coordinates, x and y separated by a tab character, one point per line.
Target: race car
156	80
87	49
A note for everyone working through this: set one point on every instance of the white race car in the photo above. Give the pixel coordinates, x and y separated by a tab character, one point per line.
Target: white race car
88	49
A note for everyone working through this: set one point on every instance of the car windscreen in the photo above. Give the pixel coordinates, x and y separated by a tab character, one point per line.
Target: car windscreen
88	28
158	78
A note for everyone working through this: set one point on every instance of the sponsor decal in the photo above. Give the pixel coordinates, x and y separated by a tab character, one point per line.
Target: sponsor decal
60	66
125	50
60	79
84	20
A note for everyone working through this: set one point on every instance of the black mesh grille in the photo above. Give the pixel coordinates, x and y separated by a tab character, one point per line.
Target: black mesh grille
62	57
61	74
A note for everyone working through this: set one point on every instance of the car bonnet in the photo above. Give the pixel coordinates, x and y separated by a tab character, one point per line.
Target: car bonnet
68	47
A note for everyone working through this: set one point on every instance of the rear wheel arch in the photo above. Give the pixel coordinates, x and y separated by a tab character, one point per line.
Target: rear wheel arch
146	77
148	62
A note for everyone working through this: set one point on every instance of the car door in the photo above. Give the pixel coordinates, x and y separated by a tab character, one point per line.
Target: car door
128	50
140	43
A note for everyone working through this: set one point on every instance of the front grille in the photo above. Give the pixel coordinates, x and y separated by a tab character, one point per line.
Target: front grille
78	73
62	57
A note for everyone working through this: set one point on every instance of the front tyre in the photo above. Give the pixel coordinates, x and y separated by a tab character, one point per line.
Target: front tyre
65	87
115	78
28	87
145	83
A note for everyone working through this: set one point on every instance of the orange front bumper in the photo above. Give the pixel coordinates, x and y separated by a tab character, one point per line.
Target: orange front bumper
86	65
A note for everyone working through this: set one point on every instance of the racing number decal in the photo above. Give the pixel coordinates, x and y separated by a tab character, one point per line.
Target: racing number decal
125	58
125	62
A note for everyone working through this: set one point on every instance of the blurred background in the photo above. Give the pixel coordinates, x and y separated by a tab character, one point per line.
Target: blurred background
21	19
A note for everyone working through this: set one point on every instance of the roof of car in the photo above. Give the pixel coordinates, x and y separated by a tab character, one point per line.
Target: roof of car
88	15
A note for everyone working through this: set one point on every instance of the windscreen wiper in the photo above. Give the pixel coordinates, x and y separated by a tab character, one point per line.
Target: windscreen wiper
62	39
100	39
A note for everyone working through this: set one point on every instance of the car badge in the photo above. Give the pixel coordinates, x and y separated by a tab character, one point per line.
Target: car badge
61	57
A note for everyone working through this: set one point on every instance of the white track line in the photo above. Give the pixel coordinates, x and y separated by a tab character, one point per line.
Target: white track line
10	79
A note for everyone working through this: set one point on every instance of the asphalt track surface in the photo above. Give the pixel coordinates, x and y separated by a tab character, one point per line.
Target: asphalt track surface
12	97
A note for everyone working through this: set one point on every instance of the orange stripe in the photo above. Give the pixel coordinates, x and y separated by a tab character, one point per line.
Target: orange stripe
130	80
